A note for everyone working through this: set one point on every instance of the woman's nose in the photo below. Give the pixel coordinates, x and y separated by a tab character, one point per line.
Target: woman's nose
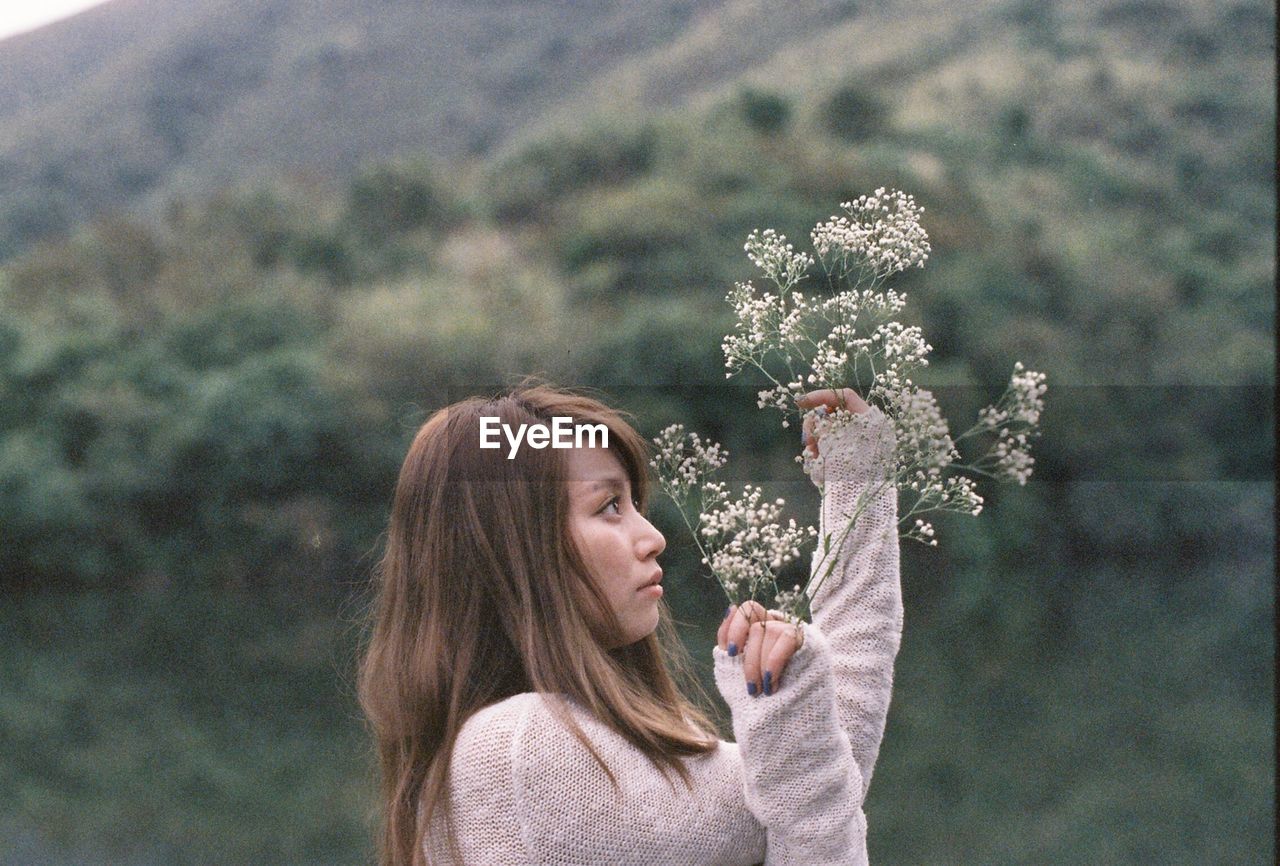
652	541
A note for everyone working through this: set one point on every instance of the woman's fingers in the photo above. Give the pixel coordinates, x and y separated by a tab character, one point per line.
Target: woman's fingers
753	660
770	645
780	651
722	633
833	398
769	672
739	622
765	639
829	399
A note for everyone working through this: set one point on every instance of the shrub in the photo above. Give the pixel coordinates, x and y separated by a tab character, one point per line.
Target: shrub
854	114
531	182
391	199
767	113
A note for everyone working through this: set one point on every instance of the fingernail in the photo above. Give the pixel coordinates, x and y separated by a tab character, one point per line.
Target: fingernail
803	437
751	688
768	684
733	648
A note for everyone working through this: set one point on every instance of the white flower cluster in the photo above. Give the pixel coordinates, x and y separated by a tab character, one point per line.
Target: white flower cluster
746	544
788	599
902	345
764	322
828	361
1013	419
780	397
879	235
757	326
1028	388
742	541
684	462
1013	459
922	531
853	337
873	303
925	448
960	493
770	252
848	337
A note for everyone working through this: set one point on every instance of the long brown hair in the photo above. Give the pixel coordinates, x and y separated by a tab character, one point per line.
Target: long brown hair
482	594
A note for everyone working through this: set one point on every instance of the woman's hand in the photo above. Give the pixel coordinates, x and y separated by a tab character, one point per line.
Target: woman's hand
765	639
830	398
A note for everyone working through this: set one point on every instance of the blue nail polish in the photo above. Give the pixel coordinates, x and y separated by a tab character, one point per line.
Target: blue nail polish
751	688
803	436
733	648
728	610
768	684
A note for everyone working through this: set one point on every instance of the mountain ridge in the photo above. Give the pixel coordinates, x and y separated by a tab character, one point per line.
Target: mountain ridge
137	102
192	97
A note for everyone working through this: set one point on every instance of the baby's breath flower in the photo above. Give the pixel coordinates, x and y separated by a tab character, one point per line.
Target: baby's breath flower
1028	389
878	235
1013	420
925	447
685	462
849	336
787	599
742	540
921	531
770	252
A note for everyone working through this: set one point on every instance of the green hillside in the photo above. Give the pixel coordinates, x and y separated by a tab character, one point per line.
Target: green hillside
205	410
138	101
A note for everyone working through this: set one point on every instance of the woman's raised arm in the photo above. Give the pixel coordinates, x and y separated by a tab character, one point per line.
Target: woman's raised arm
857	594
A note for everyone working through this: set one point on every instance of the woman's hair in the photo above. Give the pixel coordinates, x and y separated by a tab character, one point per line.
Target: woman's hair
482	594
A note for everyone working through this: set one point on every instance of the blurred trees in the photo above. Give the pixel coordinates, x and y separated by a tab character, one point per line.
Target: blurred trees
212	414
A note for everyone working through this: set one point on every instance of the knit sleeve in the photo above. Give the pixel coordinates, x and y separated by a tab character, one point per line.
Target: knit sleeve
798	772
858	604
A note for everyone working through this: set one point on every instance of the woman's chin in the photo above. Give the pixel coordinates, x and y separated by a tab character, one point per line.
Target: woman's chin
641	627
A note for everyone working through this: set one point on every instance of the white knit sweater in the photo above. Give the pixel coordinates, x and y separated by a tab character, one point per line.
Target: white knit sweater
523	790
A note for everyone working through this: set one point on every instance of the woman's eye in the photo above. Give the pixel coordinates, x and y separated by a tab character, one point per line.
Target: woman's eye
614	505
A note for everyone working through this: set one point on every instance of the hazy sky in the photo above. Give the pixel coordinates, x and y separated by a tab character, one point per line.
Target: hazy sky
19	15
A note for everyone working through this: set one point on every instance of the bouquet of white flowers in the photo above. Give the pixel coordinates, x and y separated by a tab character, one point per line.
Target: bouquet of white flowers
845	336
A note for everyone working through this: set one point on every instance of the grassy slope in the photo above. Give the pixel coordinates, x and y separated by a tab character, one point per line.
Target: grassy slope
194	96
1029	724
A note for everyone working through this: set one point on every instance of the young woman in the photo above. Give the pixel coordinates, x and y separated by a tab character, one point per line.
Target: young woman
517	679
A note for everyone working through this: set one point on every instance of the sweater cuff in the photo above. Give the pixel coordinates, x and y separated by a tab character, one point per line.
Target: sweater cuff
806	676
853	445
799	777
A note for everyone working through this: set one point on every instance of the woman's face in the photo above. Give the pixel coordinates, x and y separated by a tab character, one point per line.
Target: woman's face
620	547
